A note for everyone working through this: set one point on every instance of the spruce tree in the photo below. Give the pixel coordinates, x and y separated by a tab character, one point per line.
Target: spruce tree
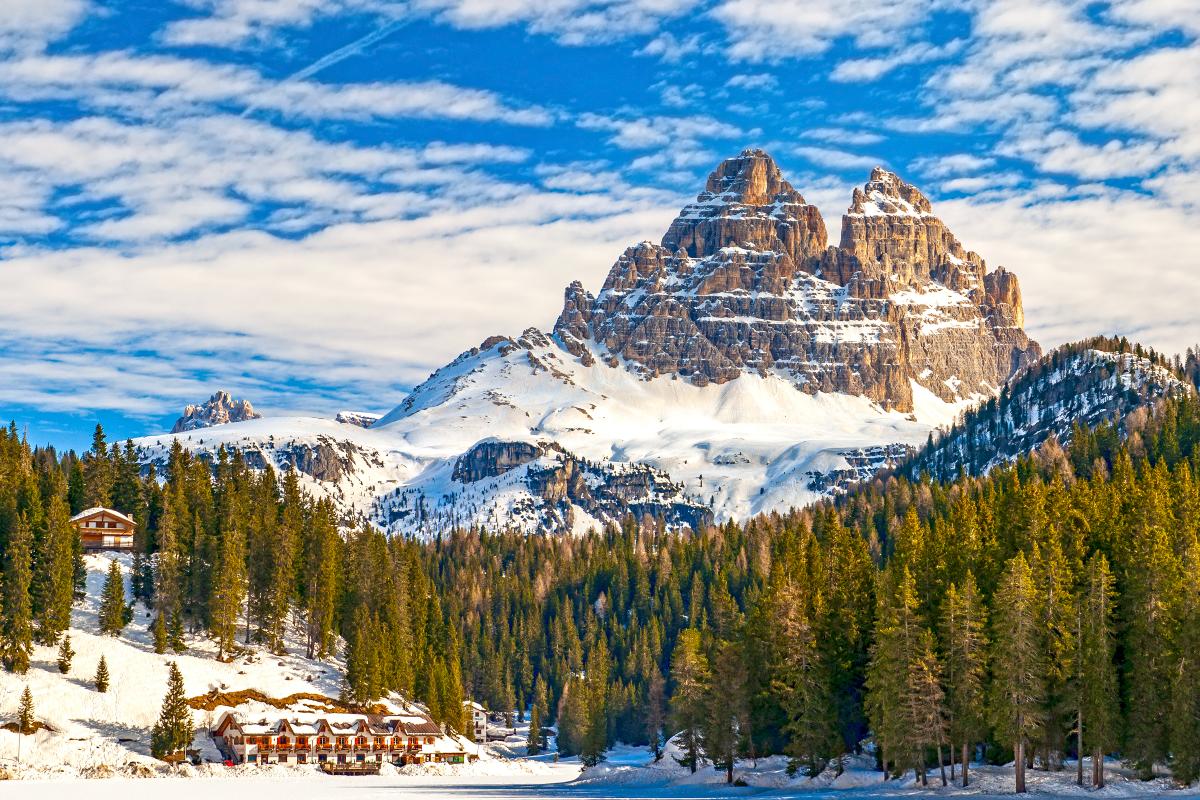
113	610
16	612
964	641
26	722
229	582
801	682
101	678
1017	669
655	712
725	720
97	471
54	578
161	639
65	654
1151	586
690	677
1099	701
595	741
173	732
1185	692
533	743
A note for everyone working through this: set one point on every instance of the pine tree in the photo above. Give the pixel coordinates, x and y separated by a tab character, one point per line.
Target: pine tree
1151	588
725	720
533	744
655	712
690	677
800	683
1099	702
54	578
26	722
65	654
173	731
168	575
16	612
113	611
1185	692
595	741
161	639
923	705
964	641
1016	690
229	582
97	470
101	679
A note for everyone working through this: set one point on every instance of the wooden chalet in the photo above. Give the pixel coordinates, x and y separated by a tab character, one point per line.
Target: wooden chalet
338	743
104	529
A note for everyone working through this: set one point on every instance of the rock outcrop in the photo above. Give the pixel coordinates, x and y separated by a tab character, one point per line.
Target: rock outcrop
220	409
743	281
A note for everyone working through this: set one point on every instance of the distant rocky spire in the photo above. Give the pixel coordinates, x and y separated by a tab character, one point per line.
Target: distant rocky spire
220	409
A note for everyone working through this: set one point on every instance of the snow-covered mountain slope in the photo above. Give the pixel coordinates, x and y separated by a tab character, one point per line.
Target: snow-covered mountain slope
1085	383
85	733
742	447
740	366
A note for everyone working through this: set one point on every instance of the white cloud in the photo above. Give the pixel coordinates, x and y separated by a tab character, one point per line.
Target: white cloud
633	133
149	85
833	158
666	47
231	23
769	30
942	166
363	309
29	25
1113	262
572	22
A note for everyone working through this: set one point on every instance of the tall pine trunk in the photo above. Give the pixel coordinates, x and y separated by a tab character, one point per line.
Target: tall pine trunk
1097	768
941	764
1079	748
966	759
1019	763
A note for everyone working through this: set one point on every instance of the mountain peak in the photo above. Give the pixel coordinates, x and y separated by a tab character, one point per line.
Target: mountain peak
748	203
220	409
886	193
752	177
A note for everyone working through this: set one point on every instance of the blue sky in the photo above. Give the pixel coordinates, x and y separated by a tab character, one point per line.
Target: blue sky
314	203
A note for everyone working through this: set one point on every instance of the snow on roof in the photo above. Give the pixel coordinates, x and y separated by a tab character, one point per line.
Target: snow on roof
91	511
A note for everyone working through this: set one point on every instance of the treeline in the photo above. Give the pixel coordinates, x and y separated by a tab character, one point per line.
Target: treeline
243	556
1047	610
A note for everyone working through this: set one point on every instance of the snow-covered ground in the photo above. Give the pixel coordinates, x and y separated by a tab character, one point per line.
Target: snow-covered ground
94	734
747	446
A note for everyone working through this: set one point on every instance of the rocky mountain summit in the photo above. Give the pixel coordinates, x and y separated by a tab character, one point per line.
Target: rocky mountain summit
220	409
745	281
741	365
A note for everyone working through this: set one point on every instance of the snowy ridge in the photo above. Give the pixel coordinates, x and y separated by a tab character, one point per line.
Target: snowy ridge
751	445
1076	383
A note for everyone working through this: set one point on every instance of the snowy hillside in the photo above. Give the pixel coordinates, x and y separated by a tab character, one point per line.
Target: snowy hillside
93	734
750	445
1087	383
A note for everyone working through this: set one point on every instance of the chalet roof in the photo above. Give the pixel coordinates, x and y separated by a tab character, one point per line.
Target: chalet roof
90	512
418	726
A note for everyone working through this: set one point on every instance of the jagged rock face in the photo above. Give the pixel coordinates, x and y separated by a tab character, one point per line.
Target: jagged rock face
747	203
490	459
220	409
361	419
743	282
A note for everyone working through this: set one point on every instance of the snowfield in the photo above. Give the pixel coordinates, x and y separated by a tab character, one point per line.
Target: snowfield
748	446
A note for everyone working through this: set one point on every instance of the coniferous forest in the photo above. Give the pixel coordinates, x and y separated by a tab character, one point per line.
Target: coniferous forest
1049	609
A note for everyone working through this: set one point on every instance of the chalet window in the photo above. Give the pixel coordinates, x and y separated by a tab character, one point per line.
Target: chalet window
301	741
